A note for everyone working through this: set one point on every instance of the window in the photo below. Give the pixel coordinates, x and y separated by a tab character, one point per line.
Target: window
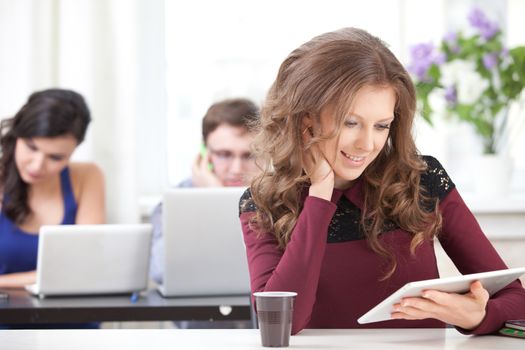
233	48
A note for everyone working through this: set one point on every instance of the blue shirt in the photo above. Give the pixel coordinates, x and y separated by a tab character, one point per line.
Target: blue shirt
156	266
18	249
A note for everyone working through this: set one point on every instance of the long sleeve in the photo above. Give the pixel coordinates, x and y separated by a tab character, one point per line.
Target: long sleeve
298	267
156	266
471	251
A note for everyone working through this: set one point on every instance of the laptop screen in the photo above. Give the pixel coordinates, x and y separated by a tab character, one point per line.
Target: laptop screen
204	248
92	259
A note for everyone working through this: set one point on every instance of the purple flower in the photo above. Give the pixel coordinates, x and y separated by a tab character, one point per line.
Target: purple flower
451	40
490	60
486	28
422	57
451	95
440	58
451	37
505	52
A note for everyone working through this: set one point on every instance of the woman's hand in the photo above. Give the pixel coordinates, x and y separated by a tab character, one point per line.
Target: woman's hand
17	279
202	176
318	170
462	310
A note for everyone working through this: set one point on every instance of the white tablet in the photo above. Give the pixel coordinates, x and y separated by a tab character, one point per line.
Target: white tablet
492	281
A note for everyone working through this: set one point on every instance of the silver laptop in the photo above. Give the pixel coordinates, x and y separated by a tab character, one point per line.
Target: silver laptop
204	251
92	259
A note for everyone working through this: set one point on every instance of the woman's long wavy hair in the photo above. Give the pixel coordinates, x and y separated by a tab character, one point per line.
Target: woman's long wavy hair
47	113
327	71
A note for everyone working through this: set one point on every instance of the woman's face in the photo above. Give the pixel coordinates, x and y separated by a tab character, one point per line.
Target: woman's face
41	158
363	135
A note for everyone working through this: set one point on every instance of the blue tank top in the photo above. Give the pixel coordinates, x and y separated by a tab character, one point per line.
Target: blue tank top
18	249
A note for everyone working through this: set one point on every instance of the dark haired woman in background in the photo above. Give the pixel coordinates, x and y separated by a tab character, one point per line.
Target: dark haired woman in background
38	183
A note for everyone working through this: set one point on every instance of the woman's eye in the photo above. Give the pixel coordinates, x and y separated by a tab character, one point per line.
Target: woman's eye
383	126
350	123
31	146
56	158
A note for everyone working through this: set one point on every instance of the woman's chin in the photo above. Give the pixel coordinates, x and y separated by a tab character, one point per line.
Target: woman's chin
234	183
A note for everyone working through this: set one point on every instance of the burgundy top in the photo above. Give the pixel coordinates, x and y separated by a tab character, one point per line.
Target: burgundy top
337	276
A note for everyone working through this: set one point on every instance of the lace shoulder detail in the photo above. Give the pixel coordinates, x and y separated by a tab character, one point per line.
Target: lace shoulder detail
435	179
246	203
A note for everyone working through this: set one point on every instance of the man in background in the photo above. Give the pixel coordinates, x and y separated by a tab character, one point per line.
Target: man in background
225	159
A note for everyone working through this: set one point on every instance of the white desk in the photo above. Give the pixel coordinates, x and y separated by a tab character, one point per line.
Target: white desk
246	339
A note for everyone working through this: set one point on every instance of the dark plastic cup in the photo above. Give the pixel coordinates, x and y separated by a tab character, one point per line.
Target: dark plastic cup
275	313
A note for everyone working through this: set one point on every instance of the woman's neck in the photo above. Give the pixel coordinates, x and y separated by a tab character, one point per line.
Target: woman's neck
45	188
341	184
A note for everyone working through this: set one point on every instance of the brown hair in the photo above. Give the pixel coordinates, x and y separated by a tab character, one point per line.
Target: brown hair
329	70
239	112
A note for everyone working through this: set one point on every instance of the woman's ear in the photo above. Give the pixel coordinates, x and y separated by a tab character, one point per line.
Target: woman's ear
307	125
307	121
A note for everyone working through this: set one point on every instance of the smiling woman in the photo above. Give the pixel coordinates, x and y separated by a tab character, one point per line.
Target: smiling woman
346	210
363	136
38	183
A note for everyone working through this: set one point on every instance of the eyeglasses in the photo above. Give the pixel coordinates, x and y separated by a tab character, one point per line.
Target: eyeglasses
227	157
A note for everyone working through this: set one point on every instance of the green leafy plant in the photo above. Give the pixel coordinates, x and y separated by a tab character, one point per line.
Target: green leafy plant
472	78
